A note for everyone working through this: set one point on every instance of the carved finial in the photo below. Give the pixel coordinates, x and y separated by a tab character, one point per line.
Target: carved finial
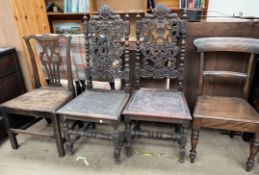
127	16
161	10
85	18
105	11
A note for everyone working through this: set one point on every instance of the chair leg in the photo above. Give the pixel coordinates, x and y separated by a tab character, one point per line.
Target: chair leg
182	143
57	135
68	142
118	140
128	138
194	138
253	151
11	135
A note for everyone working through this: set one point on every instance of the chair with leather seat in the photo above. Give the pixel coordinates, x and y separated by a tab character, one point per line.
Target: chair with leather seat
107	59
160	55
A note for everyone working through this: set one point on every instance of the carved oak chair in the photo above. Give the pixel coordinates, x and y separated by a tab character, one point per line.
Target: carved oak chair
161	47
227	113
43	101
106	36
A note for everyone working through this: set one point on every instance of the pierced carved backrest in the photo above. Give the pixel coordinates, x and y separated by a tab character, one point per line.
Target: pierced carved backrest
160	46
107	53
50	58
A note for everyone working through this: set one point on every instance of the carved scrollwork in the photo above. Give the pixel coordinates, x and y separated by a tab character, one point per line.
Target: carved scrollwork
107	36
159	34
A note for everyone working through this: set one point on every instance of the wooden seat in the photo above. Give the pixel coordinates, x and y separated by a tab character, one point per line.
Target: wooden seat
43	101
225	108
107	59
227	113
160	55
40	100
106	105
151	102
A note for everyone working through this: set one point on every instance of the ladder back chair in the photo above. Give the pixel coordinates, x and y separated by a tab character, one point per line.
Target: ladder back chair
43	101
107	58
160	55
227	113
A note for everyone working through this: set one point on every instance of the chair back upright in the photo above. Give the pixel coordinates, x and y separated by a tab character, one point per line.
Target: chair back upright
160	47
107	47
50	58
207	45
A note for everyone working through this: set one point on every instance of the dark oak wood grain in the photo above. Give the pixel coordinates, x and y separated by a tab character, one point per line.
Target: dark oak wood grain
216	60
151	102
107	59
11	83
160	55
227	113
97	104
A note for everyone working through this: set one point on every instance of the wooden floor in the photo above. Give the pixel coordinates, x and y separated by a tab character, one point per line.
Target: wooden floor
217	155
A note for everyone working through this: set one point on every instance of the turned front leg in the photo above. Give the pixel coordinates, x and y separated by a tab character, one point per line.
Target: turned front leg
182	142
194	138
128	138
118	139
253	151
68	142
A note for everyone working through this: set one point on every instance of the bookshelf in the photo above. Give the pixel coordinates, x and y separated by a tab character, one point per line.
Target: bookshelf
175	6
123	7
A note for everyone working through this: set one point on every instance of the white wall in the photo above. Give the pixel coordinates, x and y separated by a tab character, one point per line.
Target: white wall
230	7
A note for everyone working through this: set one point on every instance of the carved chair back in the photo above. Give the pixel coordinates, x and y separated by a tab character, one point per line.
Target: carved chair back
160	46
107	52
228	44
50	58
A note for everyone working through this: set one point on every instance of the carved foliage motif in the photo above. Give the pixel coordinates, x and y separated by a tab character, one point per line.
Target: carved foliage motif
107	36
159	35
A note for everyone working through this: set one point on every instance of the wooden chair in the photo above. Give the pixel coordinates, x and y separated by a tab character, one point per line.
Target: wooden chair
43	101
106	36
158	37
227	113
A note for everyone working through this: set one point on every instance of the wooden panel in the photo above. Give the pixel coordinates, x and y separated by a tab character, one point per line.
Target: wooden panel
229	125
207	29
225	108
10	87
31	18
7	65
227	62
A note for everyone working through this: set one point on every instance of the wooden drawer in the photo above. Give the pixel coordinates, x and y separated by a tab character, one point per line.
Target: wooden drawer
11	87
8	64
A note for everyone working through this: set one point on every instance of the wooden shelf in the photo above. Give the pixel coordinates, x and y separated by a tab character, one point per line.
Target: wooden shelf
66	16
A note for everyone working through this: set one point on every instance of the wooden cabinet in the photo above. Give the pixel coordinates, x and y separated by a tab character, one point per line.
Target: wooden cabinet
11	81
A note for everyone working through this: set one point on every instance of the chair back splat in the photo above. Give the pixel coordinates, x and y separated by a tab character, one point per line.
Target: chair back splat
107	52
160	46
50	58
